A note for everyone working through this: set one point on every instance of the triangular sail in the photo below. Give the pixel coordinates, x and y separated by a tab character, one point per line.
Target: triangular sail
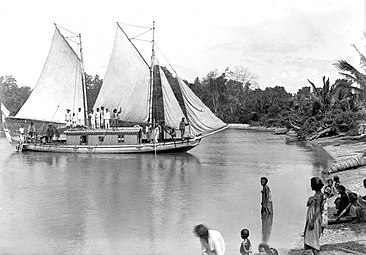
59	86
172	111
200	117
126	83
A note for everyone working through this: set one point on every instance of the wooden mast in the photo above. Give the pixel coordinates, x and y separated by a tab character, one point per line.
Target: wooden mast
151	89
85	101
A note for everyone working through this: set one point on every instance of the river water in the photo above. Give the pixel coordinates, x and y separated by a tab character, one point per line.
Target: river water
147	204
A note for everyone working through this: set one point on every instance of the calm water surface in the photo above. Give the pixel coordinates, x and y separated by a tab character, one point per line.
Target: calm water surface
147	204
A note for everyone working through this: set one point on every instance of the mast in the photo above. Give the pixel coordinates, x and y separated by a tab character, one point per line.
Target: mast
152	75
85	101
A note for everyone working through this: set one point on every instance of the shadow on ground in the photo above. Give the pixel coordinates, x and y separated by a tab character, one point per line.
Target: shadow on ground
353	247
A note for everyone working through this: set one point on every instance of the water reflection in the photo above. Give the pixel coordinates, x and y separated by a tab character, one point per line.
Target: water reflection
136	204
267	221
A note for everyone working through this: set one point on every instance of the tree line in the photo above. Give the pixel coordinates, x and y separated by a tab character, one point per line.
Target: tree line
235	97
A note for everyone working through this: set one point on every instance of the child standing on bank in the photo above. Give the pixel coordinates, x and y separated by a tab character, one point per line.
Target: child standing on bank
245	246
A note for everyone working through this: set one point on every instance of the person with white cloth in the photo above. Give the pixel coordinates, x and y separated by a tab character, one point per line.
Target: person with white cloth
80	118
157	133
107	117
92	119
212	242
68	118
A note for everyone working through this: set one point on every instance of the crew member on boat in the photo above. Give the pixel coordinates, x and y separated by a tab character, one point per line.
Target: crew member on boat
80	118
148	132
102	123
56	134
170	131
21	133
107	117
156	133
31	130
68	118
97	118
49	133
74	120
182	127
92	119
115	117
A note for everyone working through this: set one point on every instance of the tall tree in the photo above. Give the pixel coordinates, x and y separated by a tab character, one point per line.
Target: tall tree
11	95
244	75
93	86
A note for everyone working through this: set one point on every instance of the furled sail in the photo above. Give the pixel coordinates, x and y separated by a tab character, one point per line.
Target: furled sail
200	117
172	111
126	82
59	86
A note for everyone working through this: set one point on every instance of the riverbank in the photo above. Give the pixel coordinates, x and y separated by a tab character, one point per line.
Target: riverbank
248	127
344	238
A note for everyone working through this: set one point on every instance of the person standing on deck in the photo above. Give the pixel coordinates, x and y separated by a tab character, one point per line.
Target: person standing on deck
212	242
107	117
266	205
313	227
80	118
92	119
113	118
157	133
148	132
21	133
74	120
102	123
68	118
49	133
97	118
182	127
31	130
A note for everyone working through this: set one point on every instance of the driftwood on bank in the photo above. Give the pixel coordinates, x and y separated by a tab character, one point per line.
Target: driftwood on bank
346	164
320	133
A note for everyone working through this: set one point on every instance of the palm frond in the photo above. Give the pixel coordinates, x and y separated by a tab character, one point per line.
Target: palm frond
358	77
362	58
314	88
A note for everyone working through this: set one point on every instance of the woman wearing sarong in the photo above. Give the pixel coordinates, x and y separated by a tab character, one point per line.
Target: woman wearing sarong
313	226
266	205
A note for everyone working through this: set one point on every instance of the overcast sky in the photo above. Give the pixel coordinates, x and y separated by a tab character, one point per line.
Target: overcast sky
284	42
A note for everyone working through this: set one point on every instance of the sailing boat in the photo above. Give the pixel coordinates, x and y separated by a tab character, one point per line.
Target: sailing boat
128	85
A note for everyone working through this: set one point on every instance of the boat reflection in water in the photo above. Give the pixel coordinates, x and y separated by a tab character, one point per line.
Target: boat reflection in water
145	204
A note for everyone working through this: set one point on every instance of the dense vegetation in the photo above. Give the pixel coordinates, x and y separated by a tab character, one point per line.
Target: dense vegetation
235	97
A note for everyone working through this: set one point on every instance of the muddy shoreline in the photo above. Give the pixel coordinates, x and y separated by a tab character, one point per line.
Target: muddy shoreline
345	238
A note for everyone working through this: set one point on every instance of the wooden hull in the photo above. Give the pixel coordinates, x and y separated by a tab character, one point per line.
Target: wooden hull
161	147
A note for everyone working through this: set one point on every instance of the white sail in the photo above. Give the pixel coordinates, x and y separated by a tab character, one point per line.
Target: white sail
4	110
59	86
126	83
200	117
172	111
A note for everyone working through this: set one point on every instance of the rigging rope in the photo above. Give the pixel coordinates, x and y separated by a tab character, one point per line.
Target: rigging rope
65	29
133	25
166	59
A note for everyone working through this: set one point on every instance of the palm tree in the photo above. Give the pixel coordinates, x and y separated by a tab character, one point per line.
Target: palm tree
351	73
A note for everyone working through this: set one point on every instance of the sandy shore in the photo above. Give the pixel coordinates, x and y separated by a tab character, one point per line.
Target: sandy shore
346	238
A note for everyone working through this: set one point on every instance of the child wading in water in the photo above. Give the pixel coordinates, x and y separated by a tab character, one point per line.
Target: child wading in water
266	204
245	246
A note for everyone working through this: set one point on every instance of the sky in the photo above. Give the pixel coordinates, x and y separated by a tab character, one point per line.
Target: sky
283	42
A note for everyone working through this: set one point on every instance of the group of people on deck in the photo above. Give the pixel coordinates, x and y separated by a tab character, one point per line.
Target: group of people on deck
212	241
31	135
347	203
104	119
101	118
